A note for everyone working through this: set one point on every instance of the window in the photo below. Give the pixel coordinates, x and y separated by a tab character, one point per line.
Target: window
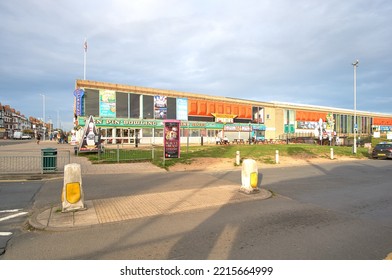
158	132
148	107
171	108
121	105
147	132
91	102
135	106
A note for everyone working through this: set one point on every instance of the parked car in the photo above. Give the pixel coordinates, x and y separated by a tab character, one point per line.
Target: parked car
26	136
382	150
17	135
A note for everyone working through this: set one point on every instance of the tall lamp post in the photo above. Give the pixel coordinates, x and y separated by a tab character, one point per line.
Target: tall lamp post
355	64
43	114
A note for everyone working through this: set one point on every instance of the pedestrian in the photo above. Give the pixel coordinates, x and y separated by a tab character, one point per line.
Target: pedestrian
38	138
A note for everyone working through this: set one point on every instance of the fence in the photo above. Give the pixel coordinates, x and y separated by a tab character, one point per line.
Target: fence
34	162
117	154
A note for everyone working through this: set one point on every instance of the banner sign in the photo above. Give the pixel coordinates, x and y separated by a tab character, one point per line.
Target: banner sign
160	107
385	128
182	109
107	103
171	140
139	123
78	93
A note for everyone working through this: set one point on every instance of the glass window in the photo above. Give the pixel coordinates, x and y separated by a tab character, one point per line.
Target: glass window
195	132
158	132
91	102
135	106
171	108
148	107
147	132
121	105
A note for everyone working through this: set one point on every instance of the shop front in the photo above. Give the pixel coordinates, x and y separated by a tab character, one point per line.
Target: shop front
131	131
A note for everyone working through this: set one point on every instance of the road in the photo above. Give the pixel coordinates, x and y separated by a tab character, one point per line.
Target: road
338	211
16	200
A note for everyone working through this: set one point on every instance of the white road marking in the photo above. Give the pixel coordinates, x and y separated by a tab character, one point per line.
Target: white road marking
10	211
6	233
13	216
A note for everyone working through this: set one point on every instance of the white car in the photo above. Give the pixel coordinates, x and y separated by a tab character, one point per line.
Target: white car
26	136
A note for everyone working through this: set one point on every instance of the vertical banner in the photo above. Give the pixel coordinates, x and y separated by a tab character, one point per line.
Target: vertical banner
182	109
160	107
171	141
78	93
107	103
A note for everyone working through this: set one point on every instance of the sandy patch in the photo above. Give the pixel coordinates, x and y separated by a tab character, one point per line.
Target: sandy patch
216	164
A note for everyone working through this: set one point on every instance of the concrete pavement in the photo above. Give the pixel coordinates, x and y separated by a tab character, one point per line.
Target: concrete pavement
129	207
124	208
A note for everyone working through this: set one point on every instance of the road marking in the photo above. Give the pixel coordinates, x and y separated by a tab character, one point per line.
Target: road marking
10	211
13	216
6	233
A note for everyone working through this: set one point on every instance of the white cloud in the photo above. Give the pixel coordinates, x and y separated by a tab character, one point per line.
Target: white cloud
266	50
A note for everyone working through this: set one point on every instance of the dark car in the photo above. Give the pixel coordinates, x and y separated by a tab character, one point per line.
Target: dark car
382	150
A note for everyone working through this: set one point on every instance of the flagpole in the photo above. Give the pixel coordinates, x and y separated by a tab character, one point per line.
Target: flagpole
85	58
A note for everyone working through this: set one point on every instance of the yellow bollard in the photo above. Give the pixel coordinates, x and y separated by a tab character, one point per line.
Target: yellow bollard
249	177
72	195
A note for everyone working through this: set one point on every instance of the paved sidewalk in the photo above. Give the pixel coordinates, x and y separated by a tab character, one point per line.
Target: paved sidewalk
124	208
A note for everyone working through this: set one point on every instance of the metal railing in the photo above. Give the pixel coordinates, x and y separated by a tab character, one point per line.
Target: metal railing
33	162
119	154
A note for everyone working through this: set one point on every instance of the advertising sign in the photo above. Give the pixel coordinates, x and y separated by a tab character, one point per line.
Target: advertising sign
160	107
78	93
182	109
171	141
91	139
107	103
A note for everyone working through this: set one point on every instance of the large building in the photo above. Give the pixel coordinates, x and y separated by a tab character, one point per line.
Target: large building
125	114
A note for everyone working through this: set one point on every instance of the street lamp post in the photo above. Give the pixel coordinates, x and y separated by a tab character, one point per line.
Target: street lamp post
43	114
355	64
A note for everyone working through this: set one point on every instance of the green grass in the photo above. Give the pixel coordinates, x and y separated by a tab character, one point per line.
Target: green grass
261	153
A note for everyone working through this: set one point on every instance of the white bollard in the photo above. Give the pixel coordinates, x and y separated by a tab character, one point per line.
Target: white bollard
277	156
249	177
331	153
72	196
237	158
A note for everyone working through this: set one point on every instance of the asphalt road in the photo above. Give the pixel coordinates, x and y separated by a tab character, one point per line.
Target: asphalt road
331	211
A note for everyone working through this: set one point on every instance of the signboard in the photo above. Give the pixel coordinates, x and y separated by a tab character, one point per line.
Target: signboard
78	93
244	128
160	107
224	118
171	141
182	109
91	138
107	103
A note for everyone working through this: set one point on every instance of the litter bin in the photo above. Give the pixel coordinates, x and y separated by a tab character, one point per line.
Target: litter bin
49	160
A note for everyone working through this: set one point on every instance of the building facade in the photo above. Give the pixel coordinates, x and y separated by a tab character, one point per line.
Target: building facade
129	114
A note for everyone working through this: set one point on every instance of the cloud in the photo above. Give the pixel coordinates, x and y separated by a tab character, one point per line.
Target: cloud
291	51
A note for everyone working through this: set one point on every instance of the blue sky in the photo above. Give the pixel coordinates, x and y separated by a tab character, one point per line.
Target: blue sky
279	50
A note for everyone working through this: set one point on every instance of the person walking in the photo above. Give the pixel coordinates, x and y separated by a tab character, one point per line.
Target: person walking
38	138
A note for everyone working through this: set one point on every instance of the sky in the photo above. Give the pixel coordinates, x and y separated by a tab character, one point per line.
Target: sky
280	50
